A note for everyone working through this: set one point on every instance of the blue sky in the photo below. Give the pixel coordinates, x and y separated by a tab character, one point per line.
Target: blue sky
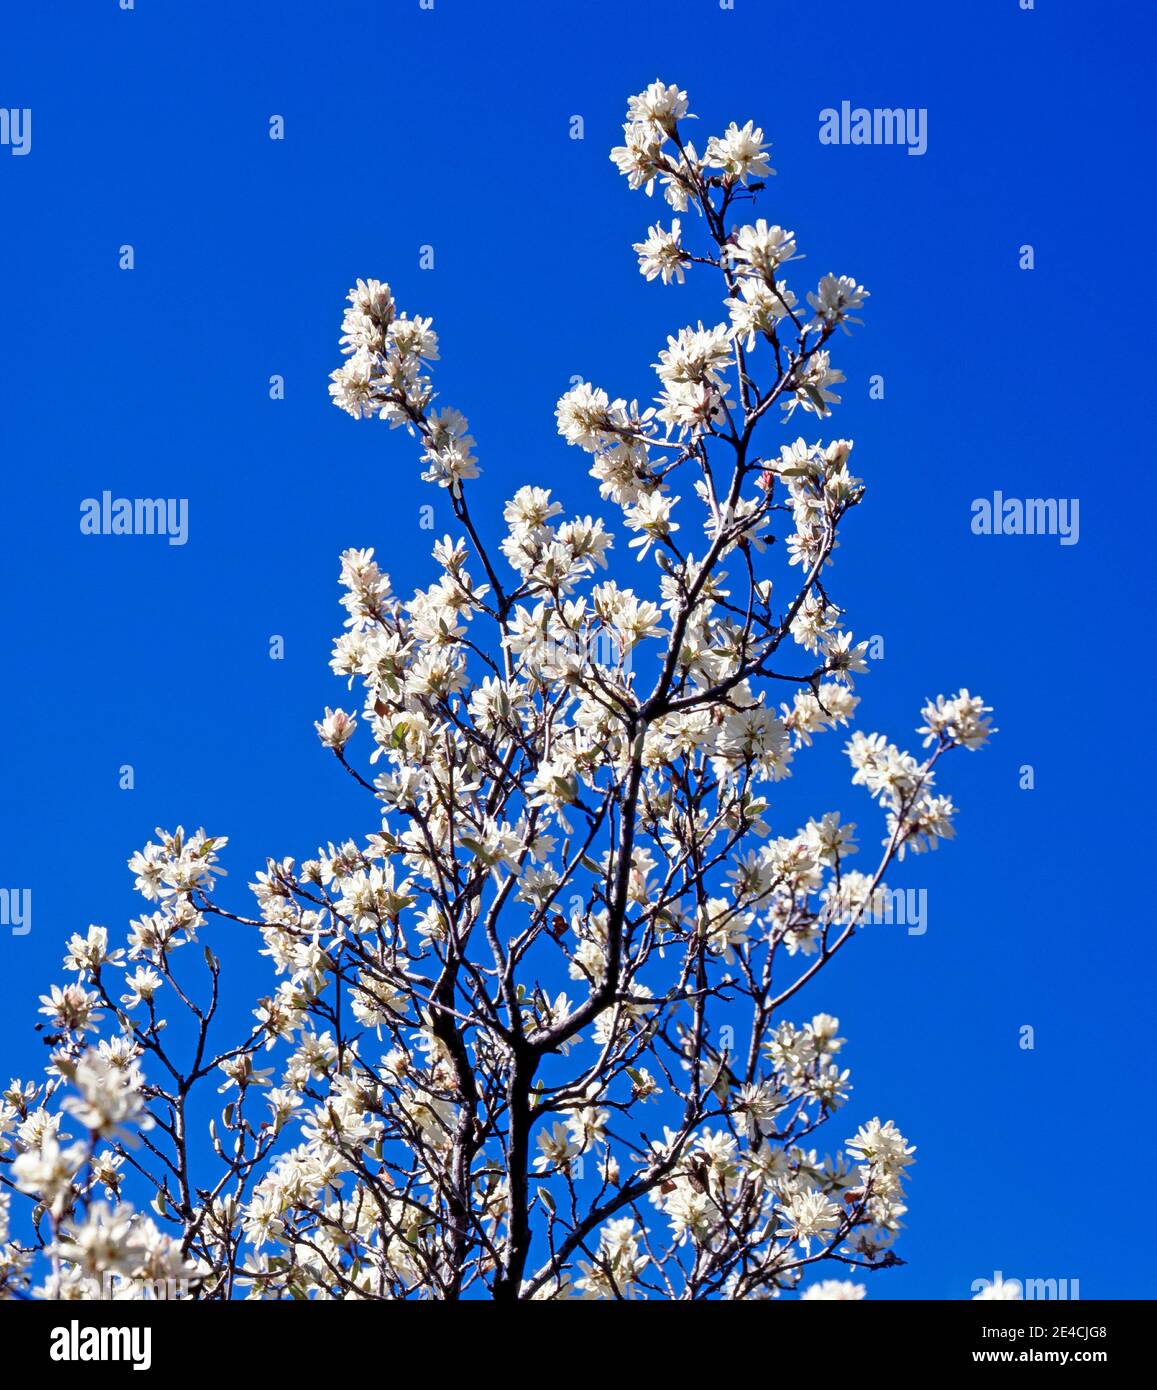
450	129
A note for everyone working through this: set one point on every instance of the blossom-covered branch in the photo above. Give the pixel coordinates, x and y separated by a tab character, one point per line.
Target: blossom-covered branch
526	1038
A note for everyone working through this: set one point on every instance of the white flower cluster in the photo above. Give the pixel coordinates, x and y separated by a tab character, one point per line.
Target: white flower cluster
917	817
114	1252
384	377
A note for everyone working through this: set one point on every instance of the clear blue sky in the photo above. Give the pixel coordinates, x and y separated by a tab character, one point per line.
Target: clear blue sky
450	128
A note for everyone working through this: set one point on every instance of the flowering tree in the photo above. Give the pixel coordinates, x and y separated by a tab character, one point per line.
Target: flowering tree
531	1037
